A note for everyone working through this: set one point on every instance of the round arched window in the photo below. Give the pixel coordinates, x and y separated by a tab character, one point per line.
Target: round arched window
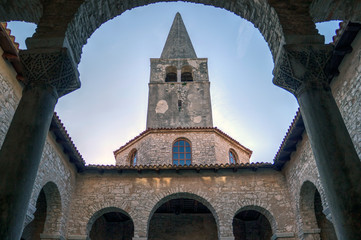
133	157
182	152
232	157
171	74
186	75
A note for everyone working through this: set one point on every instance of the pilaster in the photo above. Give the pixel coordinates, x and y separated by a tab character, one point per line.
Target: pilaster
226	238
310	234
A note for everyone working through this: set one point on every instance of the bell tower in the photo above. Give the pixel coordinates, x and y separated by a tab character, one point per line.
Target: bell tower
179	88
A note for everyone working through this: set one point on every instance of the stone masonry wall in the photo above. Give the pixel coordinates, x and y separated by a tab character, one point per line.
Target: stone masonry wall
346	89
222	151
156	148
54	166
224	193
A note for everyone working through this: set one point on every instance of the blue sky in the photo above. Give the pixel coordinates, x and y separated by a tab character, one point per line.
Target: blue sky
110	108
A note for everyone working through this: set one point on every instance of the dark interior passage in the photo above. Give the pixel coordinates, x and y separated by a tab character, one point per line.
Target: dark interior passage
326	227
182	219
112	226
251	225
33	230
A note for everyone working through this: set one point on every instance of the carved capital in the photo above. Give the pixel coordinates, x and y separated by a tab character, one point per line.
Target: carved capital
302	66
53	67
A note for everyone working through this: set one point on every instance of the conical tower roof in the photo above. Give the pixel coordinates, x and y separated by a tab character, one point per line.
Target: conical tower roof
178	44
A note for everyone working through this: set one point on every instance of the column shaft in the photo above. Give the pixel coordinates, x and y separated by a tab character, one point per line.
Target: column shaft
20	156
336	158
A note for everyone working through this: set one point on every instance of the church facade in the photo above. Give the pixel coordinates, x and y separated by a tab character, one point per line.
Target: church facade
182	178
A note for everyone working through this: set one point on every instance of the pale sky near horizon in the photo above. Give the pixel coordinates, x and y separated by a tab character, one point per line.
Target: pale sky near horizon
110	108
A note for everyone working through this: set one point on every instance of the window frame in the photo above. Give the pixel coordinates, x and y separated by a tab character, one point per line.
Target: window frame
133	154
185	152
234	155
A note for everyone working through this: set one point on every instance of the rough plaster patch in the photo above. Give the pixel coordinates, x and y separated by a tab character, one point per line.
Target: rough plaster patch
197	119
162	106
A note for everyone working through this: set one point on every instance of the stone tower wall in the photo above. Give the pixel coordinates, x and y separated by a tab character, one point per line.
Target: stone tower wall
179	104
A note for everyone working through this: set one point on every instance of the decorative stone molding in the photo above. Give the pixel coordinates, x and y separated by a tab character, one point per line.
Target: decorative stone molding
303	233
327	213
29	214
283	235
302	66
53	67
46	236
78	237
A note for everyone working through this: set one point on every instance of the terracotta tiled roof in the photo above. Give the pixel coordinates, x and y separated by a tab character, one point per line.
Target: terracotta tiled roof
288	145
11	49
62	137
196	167
153	130
8	33
342	42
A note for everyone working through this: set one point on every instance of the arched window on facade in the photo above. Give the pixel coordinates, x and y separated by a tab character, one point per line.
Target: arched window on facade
186	75
171	74
182	152
232	157
133	157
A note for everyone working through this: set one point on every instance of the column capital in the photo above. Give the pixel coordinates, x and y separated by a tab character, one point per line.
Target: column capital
50	67
301	66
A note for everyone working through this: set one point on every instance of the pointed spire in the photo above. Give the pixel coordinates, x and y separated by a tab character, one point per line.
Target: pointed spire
178	44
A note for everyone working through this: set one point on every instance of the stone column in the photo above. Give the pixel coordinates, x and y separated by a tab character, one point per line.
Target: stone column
300	70
50	73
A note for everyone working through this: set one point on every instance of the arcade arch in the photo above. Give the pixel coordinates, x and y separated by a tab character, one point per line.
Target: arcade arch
314	221
253	222
112	223
48	214
185	214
